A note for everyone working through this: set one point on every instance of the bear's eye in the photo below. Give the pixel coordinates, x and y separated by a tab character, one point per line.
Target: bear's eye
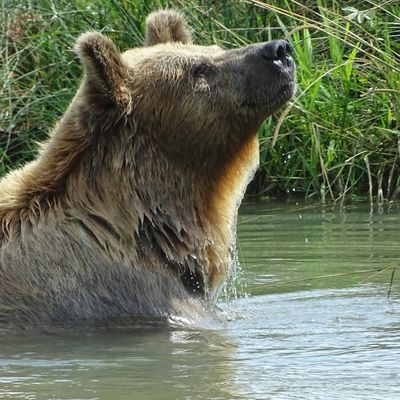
202	70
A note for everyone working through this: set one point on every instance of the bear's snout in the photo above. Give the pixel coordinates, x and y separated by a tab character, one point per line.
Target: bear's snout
278	52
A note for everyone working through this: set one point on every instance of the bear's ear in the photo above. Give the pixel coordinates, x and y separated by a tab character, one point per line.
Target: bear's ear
106	73
167	26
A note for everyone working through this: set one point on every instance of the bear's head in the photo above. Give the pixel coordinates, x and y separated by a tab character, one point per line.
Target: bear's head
176	125
185	94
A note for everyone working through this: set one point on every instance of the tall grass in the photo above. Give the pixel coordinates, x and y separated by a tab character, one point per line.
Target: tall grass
338	139
342	135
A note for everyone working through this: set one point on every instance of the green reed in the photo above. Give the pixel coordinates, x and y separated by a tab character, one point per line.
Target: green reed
339	137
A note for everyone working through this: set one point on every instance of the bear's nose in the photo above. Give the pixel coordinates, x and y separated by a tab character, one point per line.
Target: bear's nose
278	51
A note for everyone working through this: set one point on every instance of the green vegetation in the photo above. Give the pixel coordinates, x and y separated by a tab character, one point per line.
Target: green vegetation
338	139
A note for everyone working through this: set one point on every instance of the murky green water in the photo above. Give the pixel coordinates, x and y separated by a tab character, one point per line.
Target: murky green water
316	324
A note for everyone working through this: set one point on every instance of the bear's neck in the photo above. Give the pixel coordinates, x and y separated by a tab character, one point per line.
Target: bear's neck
185	213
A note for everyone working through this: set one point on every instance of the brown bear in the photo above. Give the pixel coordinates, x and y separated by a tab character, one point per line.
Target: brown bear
129	210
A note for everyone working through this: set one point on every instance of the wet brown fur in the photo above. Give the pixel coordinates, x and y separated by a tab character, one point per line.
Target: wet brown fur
130	207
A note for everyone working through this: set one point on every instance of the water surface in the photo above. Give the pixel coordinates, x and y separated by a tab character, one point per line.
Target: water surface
312	320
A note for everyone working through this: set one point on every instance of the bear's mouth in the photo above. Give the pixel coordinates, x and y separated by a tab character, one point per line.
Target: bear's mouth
283	66
285	63
284	69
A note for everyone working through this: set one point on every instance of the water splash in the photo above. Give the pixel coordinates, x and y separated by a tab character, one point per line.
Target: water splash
236	283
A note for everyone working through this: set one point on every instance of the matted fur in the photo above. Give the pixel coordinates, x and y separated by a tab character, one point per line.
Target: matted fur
130	208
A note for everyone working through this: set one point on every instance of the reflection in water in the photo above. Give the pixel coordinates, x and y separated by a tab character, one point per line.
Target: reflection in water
316	324
293	247
127	364
323	344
